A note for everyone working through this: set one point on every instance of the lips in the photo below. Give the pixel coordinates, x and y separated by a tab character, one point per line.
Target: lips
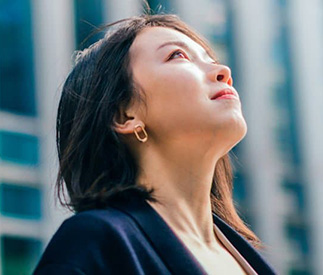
226	91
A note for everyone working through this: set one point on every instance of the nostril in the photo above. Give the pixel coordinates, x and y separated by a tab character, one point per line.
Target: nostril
220	77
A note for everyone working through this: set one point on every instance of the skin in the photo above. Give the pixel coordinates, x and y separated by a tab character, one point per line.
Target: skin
187	131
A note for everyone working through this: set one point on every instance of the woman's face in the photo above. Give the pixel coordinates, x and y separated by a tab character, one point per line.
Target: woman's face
179	79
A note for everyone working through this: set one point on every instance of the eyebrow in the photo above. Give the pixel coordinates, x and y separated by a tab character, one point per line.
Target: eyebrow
183	45
177	43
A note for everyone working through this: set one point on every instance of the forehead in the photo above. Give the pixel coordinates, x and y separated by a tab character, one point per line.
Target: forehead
150	38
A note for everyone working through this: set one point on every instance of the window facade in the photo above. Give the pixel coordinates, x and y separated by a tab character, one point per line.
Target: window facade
17	94
19	255
19	148
20	201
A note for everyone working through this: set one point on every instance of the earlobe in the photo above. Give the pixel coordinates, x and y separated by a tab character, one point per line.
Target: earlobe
145	138
126	123
132	126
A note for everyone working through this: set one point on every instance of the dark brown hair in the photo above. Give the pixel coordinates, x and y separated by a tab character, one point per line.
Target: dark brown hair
94	164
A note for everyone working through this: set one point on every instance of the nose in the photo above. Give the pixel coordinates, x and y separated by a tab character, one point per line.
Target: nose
221	73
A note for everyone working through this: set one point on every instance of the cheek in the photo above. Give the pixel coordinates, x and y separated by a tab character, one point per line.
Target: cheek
184	80
176	88
176	98
177	91
173	110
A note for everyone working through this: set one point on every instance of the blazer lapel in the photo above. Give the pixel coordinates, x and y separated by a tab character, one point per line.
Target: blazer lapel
245	249
171	249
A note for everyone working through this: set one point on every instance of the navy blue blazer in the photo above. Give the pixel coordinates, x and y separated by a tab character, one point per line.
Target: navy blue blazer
129	237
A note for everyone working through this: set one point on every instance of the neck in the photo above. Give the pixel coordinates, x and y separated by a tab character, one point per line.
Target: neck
182	181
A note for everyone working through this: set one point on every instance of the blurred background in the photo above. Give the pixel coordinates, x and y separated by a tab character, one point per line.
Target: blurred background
274	48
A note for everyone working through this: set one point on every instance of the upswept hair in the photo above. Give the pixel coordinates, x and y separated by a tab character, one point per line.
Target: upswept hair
95	166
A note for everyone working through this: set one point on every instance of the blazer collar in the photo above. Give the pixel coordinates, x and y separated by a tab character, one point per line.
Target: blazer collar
244	247
173	251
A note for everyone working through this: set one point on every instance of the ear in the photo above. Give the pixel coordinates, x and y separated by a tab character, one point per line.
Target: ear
124	123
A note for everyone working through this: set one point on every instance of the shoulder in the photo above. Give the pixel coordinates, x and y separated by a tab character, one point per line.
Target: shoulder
87	239
95	221
91	226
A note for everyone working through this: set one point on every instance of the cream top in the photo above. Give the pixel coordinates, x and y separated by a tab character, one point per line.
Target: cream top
241	260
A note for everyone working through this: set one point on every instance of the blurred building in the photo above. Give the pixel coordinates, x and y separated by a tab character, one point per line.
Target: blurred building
275	58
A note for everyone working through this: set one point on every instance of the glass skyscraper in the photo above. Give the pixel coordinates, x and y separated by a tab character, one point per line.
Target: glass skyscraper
20	196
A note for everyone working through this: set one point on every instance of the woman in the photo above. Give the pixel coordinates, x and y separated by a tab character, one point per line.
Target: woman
145	123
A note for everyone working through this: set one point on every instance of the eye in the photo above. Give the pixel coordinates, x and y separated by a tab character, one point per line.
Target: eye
178	53
217	62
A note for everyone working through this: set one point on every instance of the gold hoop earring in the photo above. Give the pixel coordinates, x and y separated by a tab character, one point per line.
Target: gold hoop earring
138	137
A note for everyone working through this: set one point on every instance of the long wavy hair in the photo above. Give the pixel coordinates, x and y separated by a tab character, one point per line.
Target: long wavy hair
95	165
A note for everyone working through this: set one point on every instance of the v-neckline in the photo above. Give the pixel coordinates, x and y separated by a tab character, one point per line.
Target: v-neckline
172	250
